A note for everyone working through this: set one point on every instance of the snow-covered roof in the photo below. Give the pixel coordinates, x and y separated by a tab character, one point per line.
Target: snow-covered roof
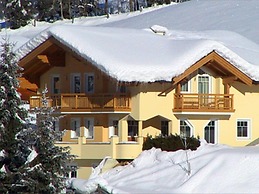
140	55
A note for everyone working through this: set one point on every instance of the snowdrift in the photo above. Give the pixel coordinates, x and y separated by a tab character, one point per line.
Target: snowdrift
214	169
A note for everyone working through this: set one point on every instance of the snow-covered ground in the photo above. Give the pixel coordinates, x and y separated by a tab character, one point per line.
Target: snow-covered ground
214	169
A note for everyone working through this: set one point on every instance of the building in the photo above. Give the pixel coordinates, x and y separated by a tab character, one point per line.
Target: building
116	86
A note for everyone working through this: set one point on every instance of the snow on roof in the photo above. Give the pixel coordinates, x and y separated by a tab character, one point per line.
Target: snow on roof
140	55
214	168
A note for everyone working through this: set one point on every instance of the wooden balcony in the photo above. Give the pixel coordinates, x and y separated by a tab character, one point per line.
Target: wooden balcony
203	103
85	103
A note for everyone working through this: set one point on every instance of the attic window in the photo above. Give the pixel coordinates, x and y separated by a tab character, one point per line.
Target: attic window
159	29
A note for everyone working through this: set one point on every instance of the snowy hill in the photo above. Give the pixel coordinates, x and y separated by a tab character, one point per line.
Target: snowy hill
240	16
214	169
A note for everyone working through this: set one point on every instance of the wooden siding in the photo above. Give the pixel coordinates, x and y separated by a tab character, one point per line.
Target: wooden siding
203	103
85	103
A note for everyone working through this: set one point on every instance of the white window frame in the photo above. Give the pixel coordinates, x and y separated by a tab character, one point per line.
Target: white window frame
72	82
188	87
249	126
87	75
210	82
189	124
53	84
112	128
75	133
89	132
215	132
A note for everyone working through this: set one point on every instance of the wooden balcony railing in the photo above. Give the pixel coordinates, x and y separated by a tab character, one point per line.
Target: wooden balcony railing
83	102
203	103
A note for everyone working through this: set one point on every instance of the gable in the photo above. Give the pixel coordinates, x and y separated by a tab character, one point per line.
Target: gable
219	66
41	59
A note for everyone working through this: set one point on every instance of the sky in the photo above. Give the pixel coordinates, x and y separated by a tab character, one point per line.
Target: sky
194	28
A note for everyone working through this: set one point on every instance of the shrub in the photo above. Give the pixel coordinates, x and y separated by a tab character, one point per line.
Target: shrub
171	143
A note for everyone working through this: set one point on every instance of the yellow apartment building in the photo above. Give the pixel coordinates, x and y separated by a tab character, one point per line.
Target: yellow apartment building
210	95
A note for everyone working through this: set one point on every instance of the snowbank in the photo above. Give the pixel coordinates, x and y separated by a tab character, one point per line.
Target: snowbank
214	169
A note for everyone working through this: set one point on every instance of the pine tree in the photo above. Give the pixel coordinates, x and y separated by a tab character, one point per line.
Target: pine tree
18	12
12	120
49	169
29	160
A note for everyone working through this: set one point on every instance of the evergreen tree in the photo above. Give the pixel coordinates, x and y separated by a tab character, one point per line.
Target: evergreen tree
12	120
29	160
48	169
18	12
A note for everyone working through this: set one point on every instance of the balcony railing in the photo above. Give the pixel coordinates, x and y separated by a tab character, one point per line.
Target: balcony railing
203	103
83	102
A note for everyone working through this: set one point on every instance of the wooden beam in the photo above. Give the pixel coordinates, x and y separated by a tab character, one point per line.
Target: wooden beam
193	68
234	70
29	57
43	58
222	63
229	80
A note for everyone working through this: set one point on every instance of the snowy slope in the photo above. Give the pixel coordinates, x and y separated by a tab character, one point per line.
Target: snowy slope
240	16
214	169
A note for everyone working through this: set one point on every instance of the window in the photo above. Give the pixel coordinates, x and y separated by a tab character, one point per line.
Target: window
210	132
185	87
132	128
55	84
164	128
73	172
203	84
243	128
89	83
113	128
56	125
89	128
185	128
75	127
75	83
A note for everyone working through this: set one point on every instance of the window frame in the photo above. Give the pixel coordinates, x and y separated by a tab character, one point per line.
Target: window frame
164	127
249	126
133	125
53	84
209	83
72	83
91	120
87	75
77	130
189	125
188	87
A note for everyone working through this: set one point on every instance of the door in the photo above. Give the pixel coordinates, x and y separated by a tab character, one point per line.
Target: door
210	132
75	127
75	83
203	88
89	128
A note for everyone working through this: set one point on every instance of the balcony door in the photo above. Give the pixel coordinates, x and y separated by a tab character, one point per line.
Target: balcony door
89	83
75	127
210	132
89	128
204	87
55	84
75	83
